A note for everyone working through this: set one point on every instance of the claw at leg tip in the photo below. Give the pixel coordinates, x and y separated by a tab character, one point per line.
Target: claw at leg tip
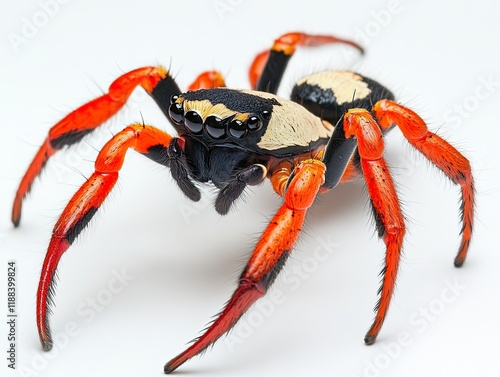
47	344
168	368
16	215
459	262
370	339
175	363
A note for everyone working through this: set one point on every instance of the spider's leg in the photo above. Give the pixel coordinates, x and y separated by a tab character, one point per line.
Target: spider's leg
208	80
151	142
388	216
268	257
73	127
268	67
437	150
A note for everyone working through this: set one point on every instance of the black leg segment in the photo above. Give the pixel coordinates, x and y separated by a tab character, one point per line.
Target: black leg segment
338	153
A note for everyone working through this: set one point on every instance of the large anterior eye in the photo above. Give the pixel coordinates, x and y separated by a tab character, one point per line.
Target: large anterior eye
215	127
193	122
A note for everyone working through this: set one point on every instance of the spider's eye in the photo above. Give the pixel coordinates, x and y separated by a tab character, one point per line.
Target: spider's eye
266	114
254	123
176	113
237	129
215	127
193	122
174	98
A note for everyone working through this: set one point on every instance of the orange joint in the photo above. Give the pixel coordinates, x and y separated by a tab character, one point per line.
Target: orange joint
360	124
302	190
147	77
389	113
208	80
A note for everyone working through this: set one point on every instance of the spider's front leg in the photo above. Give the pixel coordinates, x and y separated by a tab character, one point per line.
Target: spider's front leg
149	141
269	255
85	119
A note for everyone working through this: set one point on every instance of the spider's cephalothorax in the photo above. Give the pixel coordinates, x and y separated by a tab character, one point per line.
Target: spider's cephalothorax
231	137
253	121
331	130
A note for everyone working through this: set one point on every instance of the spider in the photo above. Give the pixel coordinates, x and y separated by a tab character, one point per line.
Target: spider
329	132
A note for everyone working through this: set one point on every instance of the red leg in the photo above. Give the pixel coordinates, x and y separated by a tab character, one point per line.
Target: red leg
85	203
267	258
257	68
73	127
440	153
385	203
276	59
208	80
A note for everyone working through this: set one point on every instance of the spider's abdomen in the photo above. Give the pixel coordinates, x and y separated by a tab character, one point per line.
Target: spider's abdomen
329	94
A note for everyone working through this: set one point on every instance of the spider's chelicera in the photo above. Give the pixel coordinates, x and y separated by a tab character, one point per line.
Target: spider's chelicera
330	131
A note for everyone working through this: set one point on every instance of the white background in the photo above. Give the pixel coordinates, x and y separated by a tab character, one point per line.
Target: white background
184	258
